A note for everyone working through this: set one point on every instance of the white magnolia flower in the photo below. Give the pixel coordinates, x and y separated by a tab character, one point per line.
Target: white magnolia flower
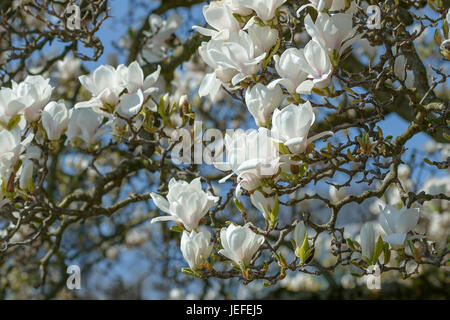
11	148
265	9
86	125
68	68
263	204
10	106
130	104
319	5
262	100
238	8
160	32
315	62
55	119
34	93
368	240
186	203
335	33
196	248
397	223
212	82
252	156
26	174
238	54
135	81
105	84
240	243
219	15
287	68
291	125
264	37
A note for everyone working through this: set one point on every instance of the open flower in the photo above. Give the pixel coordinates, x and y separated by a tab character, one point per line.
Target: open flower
291	125
261	100
11	107
161	30
219	15
264	37
319	5
86	125
213	81
196	248
134	79
34	93
238	54
130	104
252	156
397	223
240	243
315	62
265	9
11	148
287	68
68	68
105	83
186	203
335	33
55	119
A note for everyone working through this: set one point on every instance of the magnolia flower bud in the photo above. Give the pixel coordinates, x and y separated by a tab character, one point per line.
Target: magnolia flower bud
55	119
184	104
26	175
368	241
186	203
397	223
299	234
196	248
263	204
240	243
261	100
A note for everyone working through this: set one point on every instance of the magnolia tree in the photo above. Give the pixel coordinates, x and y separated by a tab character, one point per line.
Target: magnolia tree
253	144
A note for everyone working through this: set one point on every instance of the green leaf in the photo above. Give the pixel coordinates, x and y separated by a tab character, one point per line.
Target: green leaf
13	122
275	209
351	245
304	251
437	37
177	228
272	53
239	205
445	29
378	250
